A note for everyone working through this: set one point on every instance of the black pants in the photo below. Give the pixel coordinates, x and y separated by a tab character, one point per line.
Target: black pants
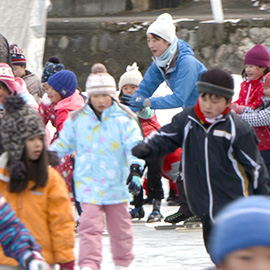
154	175
207	227
184	208
154	183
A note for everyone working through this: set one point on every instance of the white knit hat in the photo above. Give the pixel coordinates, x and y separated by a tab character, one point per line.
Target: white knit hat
163	27
100	84
131	76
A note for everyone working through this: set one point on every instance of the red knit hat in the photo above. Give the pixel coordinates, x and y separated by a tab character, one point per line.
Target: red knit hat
7	77
257	56
266	80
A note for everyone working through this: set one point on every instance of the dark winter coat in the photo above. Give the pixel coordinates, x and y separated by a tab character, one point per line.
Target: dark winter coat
220	163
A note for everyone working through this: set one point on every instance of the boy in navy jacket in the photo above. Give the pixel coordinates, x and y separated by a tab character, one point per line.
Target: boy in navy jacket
220	159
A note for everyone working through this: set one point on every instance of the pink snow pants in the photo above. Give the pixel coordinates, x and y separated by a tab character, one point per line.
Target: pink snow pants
119	227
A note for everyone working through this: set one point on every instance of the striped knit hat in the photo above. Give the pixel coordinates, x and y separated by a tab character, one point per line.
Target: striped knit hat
17	55
101	84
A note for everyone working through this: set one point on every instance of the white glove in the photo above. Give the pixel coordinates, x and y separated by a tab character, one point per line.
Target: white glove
32	260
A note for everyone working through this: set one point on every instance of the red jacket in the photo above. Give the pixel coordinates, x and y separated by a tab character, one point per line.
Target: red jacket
251	93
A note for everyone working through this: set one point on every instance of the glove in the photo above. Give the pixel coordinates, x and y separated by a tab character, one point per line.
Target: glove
133	181
32	260
136	101
67	266
141	150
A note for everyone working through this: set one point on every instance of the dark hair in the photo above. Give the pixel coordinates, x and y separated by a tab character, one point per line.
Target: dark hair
4	86
156	36
203	94
244	74
36	171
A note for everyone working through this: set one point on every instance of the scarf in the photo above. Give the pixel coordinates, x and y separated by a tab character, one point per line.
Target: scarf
165	58
206	120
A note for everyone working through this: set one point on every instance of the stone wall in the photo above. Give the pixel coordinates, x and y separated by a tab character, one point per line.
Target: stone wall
81	8
81	44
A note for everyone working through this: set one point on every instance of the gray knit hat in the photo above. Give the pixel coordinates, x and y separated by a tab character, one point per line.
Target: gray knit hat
216	81
19	123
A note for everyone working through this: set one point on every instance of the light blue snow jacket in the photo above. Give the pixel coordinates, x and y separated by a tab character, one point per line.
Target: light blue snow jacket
103	153
181	78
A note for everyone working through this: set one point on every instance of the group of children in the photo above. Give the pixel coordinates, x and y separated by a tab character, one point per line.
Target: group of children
109	147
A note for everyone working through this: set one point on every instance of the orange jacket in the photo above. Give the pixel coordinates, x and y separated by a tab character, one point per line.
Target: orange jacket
47	213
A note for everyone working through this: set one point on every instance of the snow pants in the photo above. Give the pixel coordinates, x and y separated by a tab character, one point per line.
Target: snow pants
119	227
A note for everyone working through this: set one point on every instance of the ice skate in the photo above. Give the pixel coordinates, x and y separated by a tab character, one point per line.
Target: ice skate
175	218
155	216
193	222
137	212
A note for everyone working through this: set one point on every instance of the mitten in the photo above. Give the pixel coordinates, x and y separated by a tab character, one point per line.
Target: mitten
32	260
67	266
133	181
141	150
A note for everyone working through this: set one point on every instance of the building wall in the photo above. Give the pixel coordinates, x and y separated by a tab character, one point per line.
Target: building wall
81	44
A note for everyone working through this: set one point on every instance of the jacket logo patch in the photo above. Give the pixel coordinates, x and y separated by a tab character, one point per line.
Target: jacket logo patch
36	192
222	133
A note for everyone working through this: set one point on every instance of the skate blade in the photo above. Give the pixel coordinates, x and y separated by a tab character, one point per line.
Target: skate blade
168	227
191	227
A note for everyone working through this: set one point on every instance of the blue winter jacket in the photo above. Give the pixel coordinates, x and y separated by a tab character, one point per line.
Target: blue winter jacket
181	78
103	153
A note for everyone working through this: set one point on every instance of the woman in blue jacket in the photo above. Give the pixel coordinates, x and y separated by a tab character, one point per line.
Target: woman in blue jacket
173	62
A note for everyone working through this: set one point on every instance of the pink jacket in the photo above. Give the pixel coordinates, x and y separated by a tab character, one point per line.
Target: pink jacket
63	107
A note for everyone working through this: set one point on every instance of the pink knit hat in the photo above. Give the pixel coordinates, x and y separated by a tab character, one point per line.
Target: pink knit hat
7	77
266	80
257	56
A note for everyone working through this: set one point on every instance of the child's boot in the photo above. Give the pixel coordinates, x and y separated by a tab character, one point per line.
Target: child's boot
155	216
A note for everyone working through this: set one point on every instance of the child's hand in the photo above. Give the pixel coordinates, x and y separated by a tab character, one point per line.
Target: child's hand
237	108
33	260
133	181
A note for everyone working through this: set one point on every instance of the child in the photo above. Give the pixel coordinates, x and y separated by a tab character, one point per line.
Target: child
260	120
128	84
19	66
35	191
240	237
220	158
257	64
12	86
9	85
173	62
16	240
102	134
62	90
46	107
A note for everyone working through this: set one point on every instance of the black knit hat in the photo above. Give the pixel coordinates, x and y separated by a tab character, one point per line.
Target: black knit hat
216	81
19	123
